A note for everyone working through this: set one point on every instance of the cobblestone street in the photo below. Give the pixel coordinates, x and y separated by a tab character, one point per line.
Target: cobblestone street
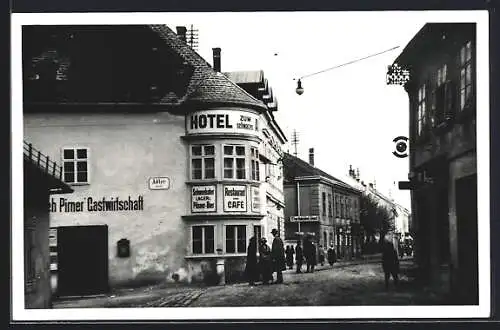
342	285
361	284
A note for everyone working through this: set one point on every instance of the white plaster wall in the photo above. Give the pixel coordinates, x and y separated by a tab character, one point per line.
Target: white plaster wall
125	151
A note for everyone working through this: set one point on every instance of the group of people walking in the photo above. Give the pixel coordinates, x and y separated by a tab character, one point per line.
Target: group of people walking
263	261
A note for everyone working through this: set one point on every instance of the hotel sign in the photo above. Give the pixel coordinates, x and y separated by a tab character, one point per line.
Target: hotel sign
304	218
203	199
235	198
222	121
255	199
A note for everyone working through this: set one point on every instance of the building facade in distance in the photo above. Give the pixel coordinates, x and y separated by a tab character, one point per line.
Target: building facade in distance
163	151
441	62
320	205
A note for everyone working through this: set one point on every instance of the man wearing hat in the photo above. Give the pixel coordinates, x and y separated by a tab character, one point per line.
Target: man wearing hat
278	254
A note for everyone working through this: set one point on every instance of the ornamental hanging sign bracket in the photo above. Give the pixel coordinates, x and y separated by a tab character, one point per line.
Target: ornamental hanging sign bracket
397	75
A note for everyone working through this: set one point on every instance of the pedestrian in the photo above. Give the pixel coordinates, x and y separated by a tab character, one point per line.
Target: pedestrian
265	261
252	268
332	255
299	257
321	252
289	256
310	255
390	262
278	255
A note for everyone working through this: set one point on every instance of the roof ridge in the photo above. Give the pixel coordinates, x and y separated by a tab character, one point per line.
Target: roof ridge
321	172
205	69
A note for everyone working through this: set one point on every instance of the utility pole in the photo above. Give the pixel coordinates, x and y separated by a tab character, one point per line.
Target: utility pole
295	142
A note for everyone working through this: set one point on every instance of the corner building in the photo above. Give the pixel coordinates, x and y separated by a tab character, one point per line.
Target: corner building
165	156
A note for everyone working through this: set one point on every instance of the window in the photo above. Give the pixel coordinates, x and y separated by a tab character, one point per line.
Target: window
257	232
421	110
323	202
438	98
255	164
202	162
236	239
203	239
465	66
234	162
337	206
329	205
75	165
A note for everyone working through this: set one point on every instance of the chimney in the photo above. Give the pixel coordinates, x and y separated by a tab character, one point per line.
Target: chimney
371	185
181	32
357	174
311	156
351	171
216	59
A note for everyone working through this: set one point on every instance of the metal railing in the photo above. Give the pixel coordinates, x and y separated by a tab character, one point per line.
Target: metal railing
42	161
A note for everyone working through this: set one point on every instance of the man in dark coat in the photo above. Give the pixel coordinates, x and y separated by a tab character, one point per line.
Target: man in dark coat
289	252
278	253
265	261
390	261
252	269
332	256
310	255
299	257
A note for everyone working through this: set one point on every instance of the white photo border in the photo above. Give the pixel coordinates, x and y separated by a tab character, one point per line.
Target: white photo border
19	313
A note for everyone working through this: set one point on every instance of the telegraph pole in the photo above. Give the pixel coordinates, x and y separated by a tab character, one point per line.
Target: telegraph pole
192	37
295	142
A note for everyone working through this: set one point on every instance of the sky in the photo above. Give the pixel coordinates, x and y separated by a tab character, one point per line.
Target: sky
348	115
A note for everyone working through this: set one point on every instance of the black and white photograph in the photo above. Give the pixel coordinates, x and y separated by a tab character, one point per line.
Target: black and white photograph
250	165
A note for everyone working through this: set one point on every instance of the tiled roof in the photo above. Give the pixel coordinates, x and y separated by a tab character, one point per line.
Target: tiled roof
296	167
207	85
203	83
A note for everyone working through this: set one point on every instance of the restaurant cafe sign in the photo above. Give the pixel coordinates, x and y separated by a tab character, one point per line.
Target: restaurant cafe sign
222	121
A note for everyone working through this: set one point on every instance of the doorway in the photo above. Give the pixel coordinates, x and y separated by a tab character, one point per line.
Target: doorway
82	260
466	201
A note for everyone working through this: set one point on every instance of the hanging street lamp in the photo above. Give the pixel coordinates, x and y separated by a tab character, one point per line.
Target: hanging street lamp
300	90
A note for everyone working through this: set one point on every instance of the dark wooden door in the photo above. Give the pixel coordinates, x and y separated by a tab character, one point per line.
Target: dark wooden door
82	253
466	201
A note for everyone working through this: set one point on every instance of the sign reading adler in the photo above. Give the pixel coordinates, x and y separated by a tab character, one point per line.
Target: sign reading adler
235	198
223	121
203	199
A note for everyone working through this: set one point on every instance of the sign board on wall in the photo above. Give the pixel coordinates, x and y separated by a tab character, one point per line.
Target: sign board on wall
255	199
203	199
304	218
235	198
222	121
159	183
